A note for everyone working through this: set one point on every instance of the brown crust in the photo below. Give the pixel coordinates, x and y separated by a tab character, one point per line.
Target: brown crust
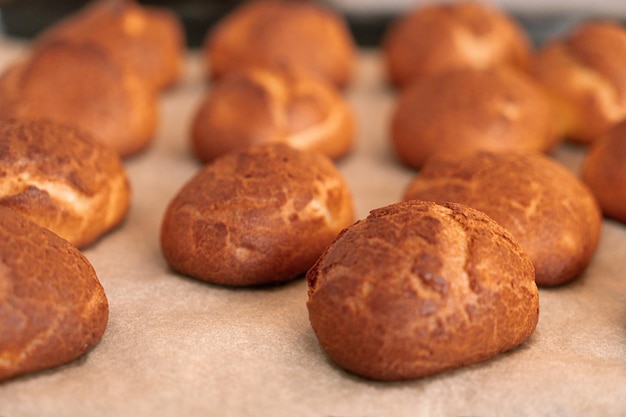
58	178
438	37
271	33
551	213
604	171
78	85
53	306
585	75
260	106
256	215
460	111
419	288
148	40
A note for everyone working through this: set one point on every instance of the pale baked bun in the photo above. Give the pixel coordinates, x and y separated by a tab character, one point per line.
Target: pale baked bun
497	109
548	210
54	309
604	172
58	178
255	216
257	106
79	85
584	72
432	38
274	33
148	40
419	288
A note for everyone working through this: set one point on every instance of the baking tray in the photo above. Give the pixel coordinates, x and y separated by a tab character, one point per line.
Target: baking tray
175	346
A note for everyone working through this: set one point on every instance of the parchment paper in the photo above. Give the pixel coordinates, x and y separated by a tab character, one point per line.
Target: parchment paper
179	347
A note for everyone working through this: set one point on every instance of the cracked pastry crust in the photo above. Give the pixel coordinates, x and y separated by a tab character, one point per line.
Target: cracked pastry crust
79	85
418	288
148	40
53	308
551	213
255	216
436	38
274	33
56	177
584	73
257	106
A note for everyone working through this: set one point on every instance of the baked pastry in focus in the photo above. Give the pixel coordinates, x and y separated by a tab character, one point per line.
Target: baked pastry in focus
149	40
419	288
585	73
604	172
434	38
256	215
275	33
258	106
496	109
548	210
54	308
58	178
79	85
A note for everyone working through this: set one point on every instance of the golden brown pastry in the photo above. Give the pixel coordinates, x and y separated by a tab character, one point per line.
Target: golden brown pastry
79	85
604	172
147	39
550	212
257	106
458	111
419	288
586	76
256	215
54	309
274	33
438	37
58	178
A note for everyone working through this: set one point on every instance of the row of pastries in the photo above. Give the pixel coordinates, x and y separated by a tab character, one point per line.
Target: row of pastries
488	217
83	97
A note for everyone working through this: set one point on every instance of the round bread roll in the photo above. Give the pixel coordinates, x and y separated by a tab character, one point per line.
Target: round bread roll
604	172
434	38
56	177
261	106
255	216
148	40
54	309
274	33
419	288
550	212
584	73
497	109
79	85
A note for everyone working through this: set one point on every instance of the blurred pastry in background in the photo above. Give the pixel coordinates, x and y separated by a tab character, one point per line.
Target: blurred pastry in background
78	84
585	73
147	39
438	37
604	171
257	105
275	33
497	108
